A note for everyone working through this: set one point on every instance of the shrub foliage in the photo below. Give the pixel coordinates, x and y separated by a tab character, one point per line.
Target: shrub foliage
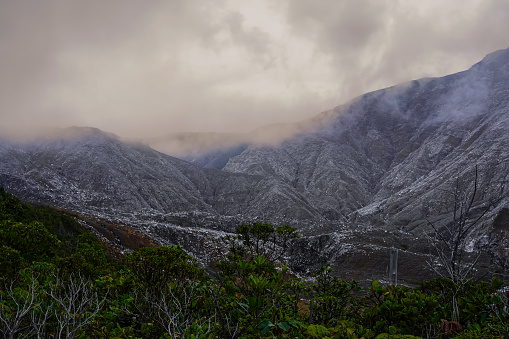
58	281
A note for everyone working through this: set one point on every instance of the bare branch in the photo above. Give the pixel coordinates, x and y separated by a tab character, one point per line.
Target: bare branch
18	300
76	304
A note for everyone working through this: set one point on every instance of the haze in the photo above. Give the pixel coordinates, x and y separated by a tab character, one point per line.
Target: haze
143	69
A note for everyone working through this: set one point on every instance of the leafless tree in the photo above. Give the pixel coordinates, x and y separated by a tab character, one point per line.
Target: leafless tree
75	304
449	242
448	256
175	312
18	298
38	318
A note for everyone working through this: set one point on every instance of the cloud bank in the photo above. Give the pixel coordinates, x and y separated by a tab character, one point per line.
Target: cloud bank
152	68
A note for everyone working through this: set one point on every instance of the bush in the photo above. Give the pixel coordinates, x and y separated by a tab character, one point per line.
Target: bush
332	299
400	310
32	239
477	302
155	267
10	262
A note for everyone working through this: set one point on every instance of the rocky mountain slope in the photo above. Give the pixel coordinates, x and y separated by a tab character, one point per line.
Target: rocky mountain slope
390	156
357	180
87	169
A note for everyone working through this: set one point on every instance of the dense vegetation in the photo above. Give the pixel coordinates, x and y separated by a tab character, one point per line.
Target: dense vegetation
58	281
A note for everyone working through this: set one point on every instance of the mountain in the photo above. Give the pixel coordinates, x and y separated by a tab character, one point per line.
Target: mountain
87	169
357	180
391	154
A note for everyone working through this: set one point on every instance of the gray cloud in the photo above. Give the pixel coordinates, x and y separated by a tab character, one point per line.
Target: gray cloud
374	44
337	26
255	42
141	69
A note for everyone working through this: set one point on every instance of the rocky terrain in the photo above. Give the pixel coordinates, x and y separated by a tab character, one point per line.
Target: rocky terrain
356	180
87	169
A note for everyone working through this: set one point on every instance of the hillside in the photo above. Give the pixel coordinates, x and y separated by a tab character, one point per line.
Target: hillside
87	169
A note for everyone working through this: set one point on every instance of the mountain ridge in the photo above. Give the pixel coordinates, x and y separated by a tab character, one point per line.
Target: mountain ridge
440	111
108	173
386	163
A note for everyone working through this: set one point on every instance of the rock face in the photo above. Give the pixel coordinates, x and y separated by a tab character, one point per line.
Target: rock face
357	180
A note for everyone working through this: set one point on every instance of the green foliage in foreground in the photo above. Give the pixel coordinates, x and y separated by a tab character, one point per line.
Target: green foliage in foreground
58	282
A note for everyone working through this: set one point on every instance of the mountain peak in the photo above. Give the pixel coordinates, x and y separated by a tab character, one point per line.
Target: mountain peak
78	132
75	133
494	59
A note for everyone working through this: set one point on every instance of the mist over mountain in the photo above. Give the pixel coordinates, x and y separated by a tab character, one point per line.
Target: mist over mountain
393	151
89	169
357	179
213	150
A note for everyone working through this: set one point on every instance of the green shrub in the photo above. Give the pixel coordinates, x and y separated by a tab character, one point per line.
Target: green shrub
155	267
318	331
477	302
332	299
349	330
32	239
401	310
396	336
487	332
10	262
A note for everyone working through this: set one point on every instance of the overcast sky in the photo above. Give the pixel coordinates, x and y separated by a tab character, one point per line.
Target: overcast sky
145	68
